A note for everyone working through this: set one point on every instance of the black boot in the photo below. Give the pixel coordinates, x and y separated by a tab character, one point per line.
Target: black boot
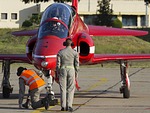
45	103
52	100
70	109
26	104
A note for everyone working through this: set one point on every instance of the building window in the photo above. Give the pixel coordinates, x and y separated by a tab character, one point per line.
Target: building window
4	16
143	23
14	16
89	19
128	20
34	14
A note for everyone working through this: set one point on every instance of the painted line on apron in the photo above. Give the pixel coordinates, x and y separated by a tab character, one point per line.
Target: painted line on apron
42	109
100	82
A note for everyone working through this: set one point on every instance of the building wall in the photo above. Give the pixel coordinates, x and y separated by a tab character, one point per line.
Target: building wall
22	10
122	8
130	12
127	8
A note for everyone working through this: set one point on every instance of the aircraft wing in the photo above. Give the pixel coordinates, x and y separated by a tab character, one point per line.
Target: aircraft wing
109	31
98	58
25	33
93	30
21	58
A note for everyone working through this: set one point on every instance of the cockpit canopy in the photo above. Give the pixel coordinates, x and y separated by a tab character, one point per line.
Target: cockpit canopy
56	20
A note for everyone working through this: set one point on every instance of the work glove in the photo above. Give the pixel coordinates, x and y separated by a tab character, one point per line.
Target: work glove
57	76
20	106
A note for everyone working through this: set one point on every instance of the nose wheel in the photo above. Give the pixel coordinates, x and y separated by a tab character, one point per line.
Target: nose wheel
125	88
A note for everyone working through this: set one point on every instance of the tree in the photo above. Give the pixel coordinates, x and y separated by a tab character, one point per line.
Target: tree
147	1
27	23
117	23
37	1
34	20
104	13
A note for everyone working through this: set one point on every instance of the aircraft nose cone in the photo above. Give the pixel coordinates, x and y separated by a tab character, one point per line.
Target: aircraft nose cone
46	50
49	45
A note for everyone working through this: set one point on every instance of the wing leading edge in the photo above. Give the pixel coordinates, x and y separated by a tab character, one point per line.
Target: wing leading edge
21	58
98	58
109	31
25	33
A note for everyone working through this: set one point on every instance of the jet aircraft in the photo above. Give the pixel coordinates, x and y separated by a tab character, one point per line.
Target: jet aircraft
59	22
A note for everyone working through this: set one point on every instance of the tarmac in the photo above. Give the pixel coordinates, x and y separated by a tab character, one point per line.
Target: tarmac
99	93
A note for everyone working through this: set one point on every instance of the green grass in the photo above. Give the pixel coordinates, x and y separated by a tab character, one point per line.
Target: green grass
104	45
10	44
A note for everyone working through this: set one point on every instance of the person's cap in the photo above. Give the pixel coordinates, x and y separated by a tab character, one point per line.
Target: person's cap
19	70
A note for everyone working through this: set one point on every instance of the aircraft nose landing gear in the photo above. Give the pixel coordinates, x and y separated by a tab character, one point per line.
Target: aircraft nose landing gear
7	89
50	94
125	88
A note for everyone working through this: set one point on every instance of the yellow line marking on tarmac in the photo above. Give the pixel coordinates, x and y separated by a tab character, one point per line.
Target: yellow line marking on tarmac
100	82
39	110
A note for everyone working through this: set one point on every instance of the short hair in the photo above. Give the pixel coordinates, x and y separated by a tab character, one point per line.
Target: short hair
68	42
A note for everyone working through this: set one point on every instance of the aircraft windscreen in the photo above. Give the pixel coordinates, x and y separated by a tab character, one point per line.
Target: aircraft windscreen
53	27
62	11
56	20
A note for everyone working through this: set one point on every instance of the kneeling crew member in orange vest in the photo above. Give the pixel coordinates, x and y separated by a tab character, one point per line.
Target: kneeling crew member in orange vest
36	85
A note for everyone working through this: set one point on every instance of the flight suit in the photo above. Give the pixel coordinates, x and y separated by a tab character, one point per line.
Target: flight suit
67	68
36	85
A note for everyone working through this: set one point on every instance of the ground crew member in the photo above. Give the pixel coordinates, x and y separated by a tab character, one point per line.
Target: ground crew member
36	85
67	70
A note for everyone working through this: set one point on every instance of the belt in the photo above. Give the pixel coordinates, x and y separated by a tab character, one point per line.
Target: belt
67	67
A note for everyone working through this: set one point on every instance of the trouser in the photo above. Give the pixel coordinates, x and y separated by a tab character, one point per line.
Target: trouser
67	86
36	102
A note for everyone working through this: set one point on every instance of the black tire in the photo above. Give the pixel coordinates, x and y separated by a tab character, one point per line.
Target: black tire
126	92
46	104
6	92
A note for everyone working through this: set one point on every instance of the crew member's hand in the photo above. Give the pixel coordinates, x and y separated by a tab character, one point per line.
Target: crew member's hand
76	75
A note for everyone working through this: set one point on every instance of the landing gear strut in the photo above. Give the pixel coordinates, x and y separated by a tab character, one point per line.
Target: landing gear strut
125	88
52	100
6	87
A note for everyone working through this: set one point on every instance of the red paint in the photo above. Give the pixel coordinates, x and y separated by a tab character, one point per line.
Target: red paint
46	42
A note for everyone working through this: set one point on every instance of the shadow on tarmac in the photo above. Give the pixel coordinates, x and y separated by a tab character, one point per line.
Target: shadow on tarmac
78	94
96	94
16	108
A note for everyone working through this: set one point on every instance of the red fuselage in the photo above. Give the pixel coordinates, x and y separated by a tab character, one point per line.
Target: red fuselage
54	30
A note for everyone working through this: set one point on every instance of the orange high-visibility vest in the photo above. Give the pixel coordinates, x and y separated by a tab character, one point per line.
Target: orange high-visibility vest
32	79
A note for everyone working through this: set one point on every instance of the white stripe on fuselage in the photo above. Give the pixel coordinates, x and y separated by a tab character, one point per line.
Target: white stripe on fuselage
92	50
41	56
